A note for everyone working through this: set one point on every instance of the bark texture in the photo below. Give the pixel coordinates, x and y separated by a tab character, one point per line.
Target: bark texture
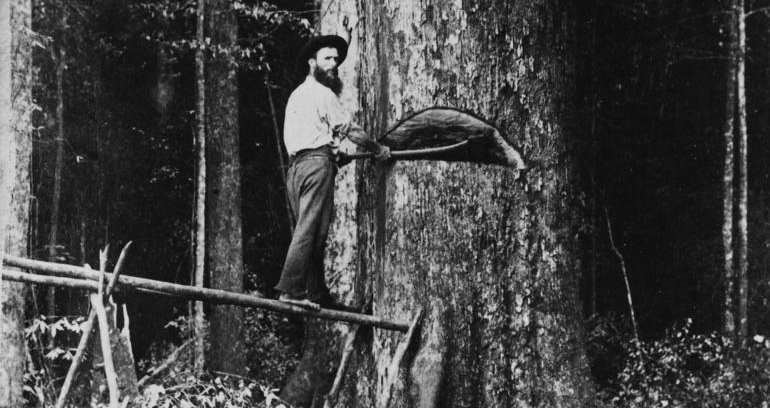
15	151
489	259
223	190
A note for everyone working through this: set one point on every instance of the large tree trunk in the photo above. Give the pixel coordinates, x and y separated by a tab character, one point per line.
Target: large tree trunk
489	259
15	150
223	205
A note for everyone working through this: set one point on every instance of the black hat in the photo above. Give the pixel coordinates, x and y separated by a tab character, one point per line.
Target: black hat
316	43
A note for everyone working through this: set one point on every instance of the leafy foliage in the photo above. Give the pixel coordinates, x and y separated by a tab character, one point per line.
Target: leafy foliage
46	338
272	356
216	393
171	26
271	359
684	369
272	346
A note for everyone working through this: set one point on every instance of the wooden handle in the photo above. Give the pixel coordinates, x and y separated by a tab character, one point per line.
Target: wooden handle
409	154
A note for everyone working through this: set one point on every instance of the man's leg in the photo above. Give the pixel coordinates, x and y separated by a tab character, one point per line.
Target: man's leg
308	188
316	283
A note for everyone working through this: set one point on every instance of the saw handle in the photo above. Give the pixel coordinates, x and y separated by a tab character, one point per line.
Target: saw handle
408	154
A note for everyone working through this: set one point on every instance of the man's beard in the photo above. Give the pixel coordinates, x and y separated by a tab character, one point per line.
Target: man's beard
330	79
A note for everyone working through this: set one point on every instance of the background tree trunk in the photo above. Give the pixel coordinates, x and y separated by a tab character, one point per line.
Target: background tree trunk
223	181
53	238
729	174
743	185
199	258
490	260
15	149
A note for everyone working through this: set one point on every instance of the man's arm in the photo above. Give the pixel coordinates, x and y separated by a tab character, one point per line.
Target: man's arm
361	138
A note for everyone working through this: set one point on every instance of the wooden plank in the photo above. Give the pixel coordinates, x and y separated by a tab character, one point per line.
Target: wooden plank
78	277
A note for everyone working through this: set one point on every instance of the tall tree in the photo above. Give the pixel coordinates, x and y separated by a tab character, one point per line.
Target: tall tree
59	55
15	150
199	271
223	188
743	186
729	175
491	260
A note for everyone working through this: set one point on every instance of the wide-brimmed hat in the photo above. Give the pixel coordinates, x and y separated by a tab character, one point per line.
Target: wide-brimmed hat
316	43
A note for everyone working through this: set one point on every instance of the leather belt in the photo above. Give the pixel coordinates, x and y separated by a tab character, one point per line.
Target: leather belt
325	150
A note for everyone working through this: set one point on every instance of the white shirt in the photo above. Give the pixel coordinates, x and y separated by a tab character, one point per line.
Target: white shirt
312	113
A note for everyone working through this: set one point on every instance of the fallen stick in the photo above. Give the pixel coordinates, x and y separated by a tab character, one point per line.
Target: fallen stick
173	357
104	336
86	336
398	356
82	346
216	296
347	351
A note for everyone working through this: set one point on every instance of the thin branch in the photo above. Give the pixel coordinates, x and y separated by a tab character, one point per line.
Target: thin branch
625	275
398	356
765	10
82	346
173	357
279	151
347	351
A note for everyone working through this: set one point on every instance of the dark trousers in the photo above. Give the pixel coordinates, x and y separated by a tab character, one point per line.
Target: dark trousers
310	186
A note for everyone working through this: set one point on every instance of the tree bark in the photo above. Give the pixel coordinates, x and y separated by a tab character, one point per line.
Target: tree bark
491	260
223	194
729	174
15	151
743	186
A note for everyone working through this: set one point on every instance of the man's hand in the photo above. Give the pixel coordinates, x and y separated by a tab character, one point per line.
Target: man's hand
383	154
342	130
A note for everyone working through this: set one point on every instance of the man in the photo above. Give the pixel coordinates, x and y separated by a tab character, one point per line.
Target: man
315	124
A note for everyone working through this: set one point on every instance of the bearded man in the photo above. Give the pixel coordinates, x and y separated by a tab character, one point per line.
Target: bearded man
314	125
